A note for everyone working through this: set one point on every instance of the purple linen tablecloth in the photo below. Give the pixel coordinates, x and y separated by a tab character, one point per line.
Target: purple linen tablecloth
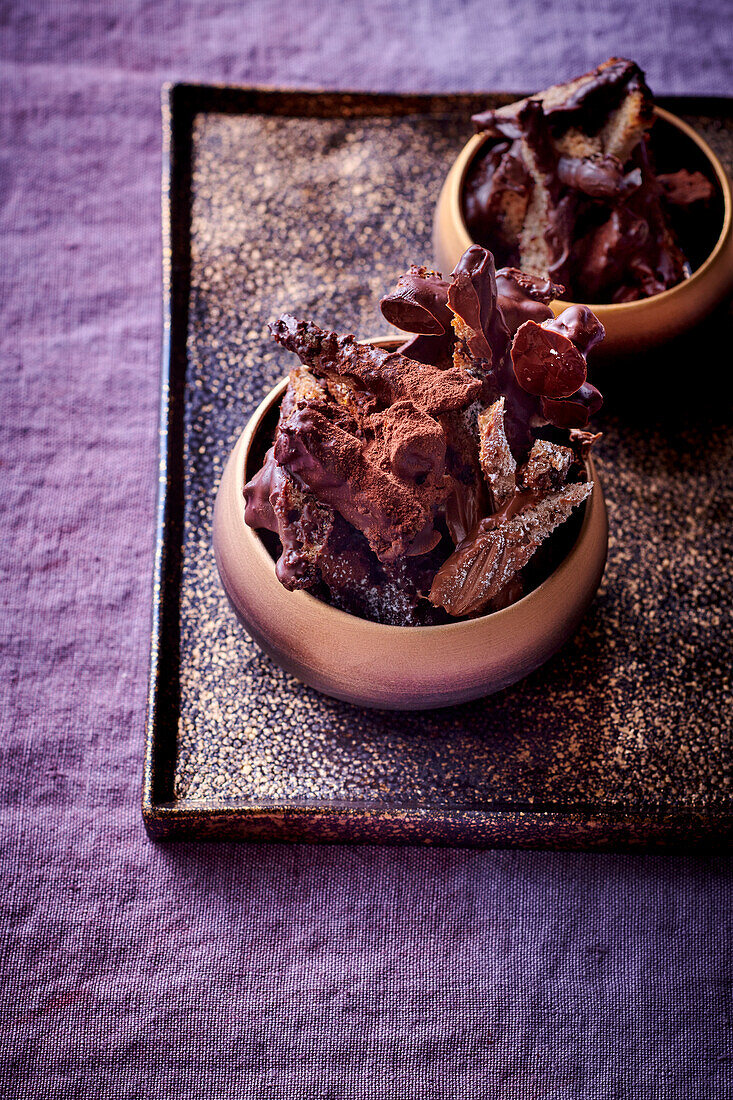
132	970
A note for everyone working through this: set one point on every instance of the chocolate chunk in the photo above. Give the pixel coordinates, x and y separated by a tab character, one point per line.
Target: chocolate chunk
547	466
522	297
685	188
394	517
303	524
472	297
415	442
549	360
388	375
574	411
580	325
607	251
419	303
258	511
499	547
546	362
433	351
601	176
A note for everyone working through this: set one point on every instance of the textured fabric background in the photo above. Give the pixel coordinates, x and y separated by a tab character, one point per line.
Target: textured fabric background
131	970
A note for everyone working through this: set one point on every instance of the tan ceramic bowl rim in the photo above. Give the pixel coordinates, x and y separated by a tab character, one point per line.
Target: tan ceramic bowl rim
477	624
470	150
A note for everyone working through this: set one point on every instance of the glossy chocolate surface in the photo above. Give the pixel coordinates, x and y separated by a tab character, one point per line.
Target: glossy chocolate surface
614	231
392	483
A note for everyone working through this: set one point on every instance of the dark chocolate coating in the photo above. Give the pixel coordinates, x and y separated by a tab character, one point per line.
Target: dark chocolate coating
383	484
607	229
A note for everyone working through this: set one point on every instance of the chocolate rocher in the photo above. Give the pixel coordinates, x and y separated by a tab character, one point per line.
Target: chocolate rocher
413	487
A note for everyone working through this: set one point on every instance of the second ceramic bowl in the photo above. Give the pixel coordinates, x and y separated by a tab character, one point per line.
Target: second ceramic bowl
630	326
394	667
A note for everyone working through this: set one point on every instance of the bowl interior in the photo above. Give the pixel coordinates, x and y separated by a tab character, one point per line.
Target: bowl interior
673	148
544	562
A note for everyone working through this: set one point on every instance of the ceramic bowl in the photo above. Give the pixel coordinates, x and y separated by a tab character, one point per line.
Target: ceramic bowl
630	326
394	667
390	667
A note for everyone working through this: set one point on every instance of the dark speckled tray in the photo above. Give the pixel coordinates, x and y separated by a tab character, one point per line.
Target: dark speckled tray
314	203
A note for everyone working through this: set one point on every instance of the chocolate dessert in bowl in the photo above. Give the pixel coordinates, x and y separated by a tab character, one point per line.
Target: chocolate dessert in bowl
410	524
618	202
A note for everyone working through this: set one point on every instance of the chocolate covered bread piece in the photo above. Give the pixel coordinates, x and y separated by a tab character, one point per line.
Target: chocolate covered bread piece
414	490
568	190
501	545
604	112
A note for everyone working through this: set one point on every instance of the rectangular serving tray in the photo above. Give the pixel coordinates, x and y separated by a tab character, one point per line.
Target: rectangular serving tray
314	202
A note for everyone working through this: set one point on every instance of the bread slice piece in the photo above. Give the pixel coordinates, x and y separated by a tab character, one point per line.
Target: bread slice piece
583	104
595	124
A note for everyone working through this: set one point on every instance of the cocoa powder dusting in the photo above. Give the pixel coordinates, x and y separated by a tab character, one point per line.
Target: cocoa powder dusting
415	490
